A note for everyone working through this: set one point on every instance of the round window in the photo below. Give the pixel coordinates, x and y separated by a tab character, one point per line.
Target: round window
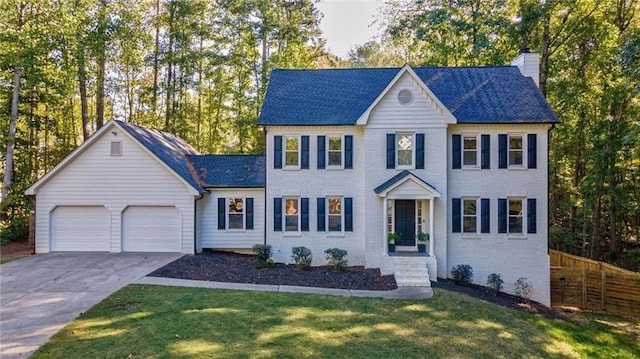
405	97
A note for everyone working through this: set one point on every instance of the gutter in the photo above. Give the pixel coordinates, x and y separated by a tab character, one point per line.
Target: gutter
553	125
195	221
265	187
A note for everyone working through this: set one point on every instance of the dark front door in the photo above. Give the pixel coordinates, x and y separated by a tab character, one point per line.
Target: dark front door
405	221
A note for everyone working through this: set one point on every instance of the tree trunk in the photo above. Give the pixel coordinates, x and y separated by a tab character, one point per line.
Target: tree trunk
11	139
102	59
82	80
156	54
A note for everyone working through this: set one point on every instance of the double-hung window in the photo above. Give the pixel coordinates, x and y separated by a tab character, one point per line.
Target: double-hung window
335	214
334	153
516	149
404	149
292	151
470	215
291	214
235	213
515	215
470	151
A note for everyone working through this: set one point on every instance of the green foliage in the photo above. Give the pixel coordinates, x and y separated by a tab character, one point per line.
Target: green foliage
263	254
495	283
523	289
14	229
422	237
337	258
392	238
462	274
301	257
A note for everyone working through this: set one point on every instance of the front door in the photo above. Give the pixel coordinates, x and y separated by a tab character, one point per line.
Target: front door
405	222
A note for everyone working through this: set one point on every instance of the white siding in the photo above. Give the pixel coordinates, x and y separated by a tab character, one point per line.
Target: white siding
96	178
529	65
512	257
209	236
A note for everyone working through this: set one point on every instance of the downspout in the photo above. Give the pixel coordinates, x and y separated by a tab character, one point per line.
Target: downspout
553	125
195	221
265	187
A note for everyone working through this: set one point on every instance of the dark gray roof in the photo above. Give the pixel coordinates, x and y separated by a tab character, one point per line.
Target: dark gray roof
239	171
397	178
498	94
168	148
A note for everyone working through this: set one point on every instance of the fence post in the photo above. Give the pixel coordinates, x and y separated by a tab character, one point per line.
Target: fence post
603	292
584	288
32	229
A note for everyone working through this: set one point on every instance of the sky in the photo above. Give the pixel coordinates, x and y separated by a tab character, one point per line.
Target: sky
347	23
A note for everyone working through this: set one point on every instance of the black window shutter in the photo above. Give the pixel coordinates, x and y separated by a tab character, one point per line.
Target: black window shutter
456	215
322	140
532	149
348	151
320	218
277	214
277	152
502	152
221	212
348	214
304	220
391	150
531	215
249	217
420	151
502	215
485	226
456	153
304	163
485	152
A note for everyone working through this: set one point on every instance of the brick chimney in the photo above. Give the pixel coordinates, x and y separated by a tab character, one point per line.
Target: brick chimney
529	64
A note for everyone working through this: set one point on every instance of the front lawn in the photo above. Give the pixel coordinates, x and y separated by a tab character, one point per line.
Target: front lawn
161	322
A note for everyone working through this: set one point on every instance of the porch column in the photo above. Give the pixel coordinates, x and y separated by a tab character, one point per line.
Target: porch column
431	234
385	248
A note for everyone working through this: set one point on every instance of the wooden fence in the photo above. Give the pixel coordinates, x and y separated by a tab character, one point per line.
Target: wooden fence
592	285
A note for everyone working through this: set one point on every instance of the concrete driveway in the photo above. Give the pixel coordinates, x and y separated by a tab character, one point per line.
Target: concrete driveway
41	294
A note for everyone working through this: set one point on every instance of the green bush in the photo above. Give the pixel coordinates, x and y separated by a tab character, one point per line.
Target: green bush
337	258
14	229
494	283
263	254
523	289
301	257
462	274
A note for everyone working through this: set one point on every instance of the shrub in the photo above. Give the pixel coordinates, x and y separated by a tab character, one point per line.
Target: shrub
523	289
14	229
494	283
263	255
301	257
337	258
462	274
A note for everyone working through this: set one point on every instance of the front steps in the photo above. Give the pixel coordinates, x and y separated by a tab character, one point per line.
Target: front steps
411	271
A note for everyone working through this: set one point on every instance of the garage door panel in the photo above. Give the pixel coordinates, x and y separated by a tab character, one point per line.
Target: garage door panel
151	229
80	228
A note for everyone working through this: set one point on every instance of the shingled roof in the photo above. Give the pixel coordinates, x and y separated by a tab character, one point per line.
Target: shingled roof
497	94
226	171
168	148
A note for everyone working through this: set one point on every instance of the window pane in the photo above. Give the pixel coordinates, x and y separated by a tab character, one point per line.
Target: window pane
469	224
405	142
335	158
515	208
292	158
291	223
470	143
515	157
292	143
335	144
335	223
404	157
470	207
335	206
470	158
515	224
515	142
292	206
236	221
236	205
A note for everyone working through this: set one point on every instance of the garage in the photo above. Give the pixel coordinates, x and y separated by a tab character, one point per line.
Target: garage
151	229
80	228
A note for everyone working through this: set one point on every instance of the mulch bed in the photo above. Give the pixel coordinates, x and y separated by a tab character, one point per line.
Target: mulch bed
241	268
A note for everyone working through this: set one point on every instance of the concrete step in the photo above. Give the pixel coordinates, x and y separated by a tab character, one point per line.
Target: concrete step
412	277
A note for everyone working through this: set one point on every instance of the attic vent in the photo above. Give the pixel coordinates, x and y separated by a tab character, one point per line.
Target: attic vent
405	97
116	148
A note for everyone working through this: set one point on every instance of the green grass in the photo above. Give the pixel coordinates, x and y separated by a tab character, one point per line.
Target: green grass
6	260
173	322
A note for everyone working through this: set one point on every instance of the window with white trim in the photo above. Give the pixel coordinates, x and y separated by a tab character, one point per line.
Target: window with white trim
516	150
404	149
292	151
470	215
235	213
335	214
515	215
470	151
334	153
291	214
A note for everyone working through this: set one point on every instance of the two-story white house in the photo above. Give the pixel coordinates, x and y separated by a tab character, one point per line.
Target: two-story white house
353	157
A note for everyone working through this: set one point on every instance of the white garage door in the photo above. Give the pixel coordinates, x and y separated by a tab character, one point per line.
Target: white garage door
84	228
151	229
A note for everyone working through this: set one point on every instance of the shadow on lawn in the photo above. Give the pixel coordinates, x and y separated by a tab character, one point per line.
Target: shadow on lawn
152	321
